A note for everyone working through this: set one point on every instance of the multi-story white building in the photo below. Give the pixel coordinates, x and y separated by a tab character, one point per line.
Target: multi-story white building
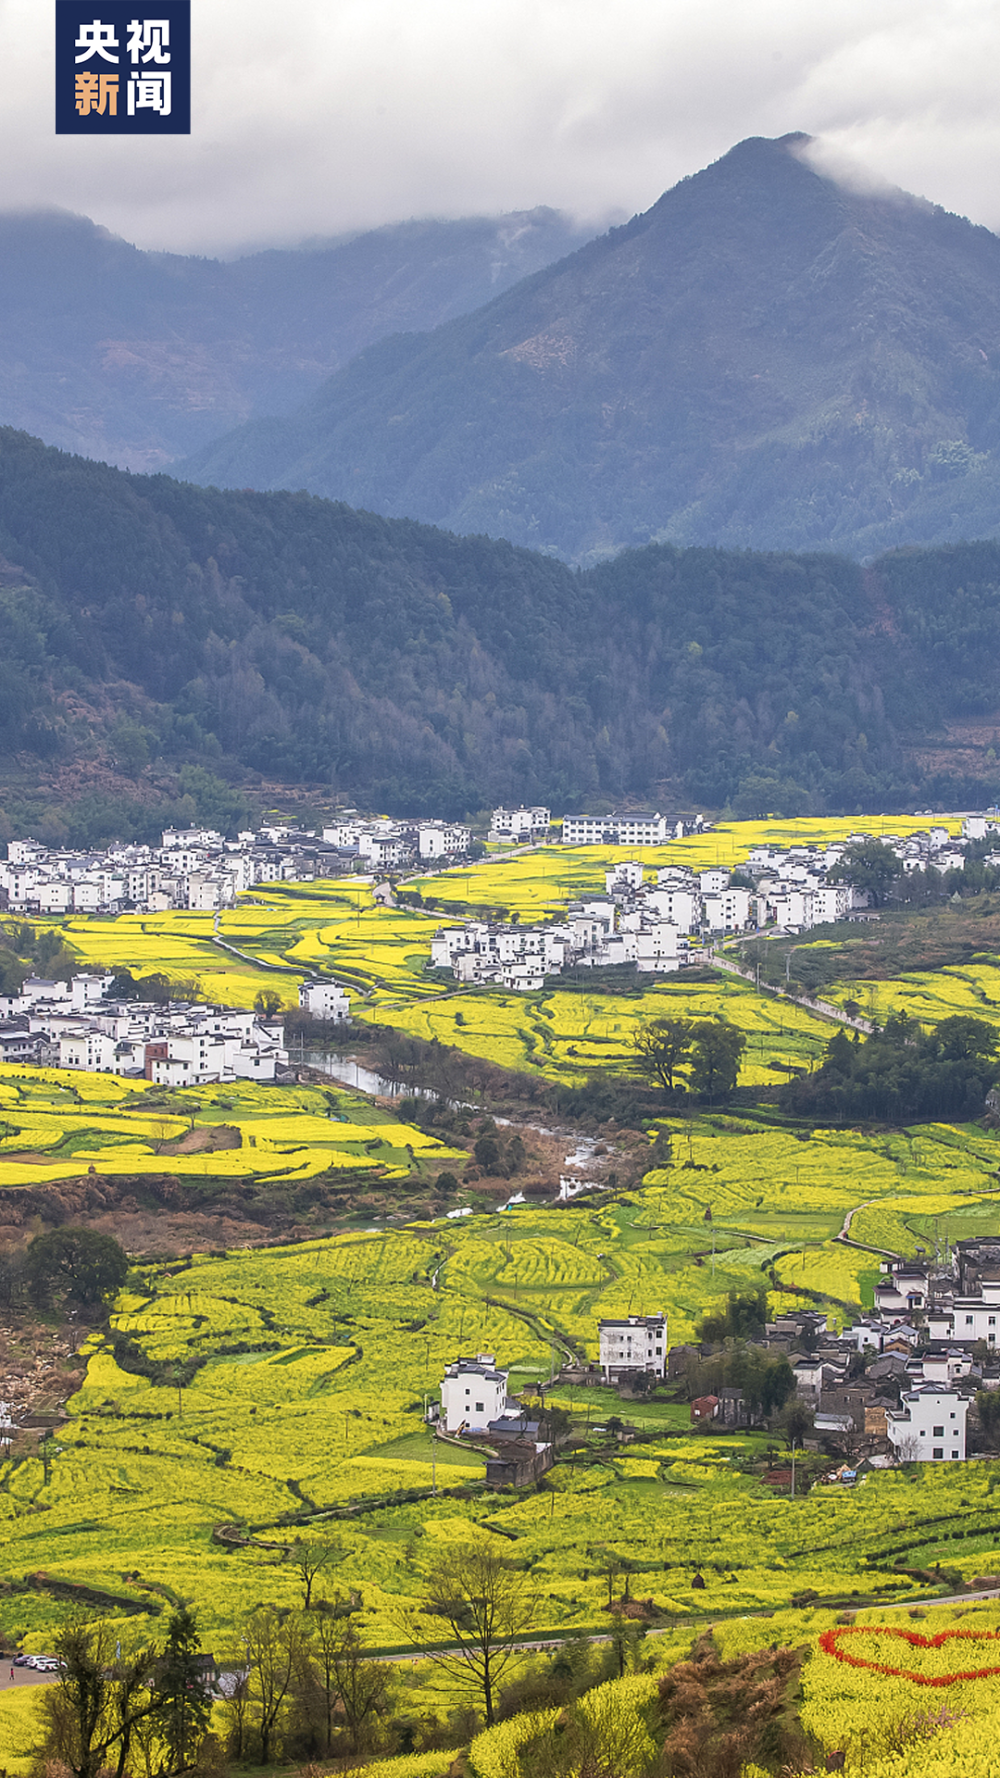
638	828
929	1425
436	839
727	911
514	826
638	1343
967	1320
325	1000
473	1392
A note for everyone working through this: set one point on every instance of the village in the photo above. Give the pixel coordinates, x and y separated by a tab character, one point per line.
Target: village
654	927
897	1386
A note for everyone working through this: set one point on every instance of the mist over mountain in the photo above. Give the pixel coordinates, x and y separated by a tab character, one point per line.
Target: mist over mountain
765	359
161	641
138	358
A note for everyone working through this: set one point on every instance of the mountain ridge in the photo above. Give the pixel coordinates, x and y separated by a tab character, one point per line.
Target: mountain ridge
766	358
138	357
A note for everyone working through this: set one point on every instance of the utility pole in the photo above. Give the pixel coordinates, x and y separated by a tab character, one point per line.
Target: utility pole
793	1469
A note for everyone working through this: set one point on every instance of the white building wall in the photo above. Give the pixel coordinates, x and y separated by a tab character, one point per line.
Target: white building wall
929	1427
472	1395
638	1343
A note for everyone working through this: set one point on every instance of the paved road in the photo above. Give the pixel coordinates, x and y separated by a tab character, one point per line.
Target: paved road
22	1676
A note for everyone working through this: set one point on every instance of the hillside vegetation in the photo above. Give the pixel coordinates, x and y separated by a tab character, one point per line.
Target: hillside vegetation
158	638
157	353
764	359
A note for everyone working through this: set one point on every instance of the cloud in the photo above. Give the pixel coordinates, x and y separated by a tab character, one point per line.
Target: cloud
340	114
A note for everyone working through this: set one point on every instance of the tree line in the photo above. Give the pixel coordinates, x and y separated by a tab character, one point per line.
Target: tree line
291	637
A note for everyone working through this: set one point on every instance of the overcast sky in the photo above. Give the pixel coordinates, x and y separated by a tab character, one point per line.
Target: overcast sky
310	117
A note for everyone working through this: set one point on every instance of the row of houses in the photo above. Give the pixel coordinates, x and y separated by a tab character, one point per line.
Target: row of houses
657	926
625	827
795	887
80	1026
926	1348
197	868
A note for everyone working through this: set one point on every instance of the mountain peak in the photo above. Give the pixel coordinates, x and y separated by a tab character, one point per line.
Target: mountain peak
769	357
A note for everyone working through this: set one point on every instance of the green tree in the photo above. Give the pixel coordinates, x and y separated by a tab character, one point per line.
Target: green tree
267	1003
79	1266
869	865
660	1048
717	1048
183	1705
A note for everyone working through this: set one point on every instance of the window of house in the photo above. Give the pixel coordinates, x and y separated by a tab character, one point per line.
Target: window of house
479	1407
937	1432
937	1452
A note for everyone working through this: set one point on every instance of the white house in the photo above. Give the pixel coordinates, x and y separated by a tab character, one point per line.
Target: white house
681	906
626	875
636	1344
929	1425
436	839
728	911
969	1318
473	1392
517	825
325	1000
901	1291
656	946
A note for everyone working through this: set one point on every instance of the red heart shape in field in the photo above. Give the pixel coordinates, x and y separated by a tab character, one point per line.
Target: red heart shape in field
831	1640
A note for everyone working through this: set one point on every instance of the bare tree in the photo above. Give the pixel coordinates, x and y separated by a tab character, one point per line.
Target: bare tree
486	1606
343	1675
908	1448
310	1559
273	1645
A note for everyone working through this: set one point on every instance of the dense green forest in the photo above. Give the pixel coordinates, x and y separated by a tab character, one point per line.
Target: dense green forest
901	1074
192	643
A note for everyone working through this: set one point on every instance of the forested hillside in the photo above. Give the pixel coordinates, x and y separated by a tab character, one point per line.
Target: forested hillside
765	359
138	358
151	632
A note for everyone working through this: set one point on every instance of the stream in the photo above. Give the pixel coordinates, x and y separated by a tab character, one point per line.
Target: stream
349	1073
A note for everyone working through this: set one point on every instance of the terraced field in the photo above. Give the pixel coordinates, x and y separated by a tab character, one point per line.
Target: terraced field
56	1124
566	1034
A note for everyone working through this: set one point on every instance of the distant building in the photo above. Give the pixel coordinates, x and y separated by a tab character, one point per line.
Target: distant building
929	1425
325	1000
703	1408
473	1392
637	828
515	826
634	1345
